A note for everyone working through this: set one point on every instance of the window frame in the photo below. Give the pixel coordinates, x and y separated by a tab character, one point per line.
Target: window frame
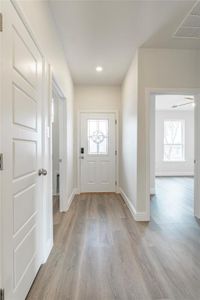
182	121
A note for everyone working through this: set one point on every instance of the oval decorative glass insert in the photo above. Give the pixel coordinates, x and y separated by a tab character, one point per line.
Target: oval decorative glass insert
98	137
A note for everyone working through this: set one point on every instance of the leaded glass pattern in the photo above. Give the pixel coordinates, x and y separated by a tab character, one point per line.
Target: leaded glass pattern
97	137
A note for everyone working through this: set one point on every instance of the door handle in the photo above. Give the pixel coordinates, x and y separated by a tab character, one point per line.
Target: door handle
42	172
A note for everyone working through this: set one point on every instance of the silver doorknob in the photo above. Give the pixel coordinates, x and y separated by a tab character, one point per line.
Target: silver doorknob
42	172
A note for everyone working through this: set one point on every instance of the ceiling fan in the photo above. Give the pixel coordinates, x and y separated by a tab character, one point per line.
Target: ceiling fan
187	103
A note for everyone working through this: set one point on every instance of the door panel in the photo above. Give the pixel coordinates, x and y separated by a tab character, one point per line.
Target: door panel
24	157
22	96
27	116
25	199
23	60
98	159
23	254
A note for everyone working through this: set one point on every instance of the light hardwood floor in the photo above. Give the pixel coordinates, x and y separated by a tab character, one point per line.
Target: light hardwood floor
173	202
101	253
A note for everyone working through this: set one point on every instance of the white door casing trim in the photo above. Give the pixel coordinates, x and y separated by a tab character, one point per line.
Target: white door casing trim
47	218
148	94
62	142
1	233
116	113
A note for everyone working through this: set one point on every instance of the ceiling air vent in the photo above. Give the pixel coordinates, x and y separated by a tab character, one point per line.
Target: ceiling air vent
190	26
196	10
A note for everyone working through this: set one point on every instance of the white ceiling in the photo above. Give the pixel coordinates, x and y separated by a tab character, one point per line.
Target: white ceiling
107	33
165	102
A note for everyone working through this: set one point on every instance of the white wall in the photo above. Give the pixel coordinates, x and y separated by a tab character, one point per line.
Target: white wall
128	159
152	69
94	98
39	17
185	168
97	97
164	69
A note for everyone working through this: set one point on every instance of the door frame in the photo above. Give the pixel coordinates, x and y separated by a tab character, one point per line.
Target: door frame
47	210
1	224
150	94
116	113
62	140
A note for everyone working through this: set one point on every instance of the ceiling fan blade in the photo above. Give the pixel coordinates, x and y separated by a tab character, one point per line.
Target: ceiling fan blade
182	104
189	98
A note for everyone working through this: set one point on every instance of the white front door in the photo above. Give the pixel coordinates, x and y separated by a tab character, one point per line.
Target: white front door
21	103
97	152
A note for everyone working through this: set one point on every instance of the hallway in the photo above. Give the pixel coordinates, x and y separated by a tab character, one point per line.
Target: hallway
100	252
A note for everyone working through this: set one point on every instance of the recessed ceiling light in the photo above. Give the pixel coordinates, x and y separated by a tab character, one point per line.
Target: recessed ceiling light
99	69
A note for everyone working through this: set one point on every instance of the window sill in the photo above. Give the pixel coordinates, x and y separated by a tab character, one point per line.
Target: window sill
174	161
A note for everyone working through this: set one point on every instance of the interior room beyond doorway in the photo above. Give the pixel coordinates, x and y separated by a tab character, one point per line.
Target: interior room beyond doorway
173	197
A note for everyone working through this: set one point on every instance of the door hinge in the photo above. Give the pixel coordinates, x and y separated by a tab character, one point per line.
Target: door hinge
1	22
115	182
1	161
2	294
115	152
116	122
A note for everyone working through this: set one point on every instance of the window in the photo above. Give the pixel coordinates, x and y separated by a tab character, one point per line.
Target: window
98	137
174	140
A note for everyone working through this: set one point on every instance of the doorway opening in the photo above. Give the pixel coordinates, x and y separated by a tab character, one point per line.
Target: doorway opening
172	149
58	146
97	152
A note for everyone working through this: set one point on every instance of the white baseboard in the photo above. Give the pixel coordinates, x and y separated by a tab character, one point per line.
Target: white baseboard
70	199
76	191
48	250
138	216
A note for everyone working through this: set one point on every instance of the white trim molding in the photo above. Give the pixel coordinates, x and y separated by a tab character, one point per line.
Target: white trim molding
76	191
48	248
138	216
152	191
174	174
70	200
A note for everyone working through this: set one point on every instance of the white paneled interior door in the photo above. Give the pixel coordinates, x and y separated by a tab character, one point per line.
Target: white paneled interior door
97	152
22	96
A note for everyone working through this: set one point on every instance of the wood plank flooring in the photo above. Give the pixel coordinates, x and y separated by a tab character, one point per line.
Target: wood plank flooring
101	253
174	200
